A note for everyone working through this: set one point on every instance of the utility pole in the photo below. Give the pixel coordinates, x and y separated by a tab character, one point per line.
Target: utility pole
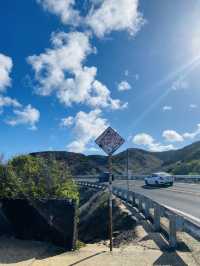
110	202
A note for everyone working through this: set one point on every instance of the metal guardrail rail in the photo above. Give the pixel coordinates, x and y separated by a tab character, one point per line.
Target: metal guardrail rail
154	211
177	178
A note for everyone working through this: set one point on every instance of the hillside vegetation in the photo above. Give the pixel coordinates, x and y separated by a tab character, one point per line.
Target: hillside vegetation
183	161
27	176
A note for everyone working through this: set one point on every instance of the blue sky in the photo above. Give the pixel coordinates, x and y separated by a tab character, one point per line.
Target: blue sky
68	69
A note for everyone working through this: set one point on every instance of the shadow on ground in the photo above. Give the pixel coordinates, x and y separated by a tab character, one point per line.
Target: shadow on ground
14	251
151	187
87	258
168	257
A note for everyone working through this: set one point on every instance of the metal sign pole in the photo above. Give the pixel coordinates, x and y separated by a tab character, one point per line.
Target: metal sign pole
110	141
110	202
127	169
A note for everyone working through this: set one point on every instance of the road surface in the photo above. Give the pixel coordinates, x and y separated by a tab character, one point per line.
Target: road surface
184	197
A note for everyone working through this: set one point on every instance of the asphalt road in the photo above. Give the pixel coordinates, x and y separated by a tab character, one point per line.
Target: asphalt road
184	197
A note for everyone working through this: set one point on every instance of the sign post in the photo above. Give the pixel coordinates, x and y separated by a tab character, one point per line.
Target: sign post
110	141
127	170
110	201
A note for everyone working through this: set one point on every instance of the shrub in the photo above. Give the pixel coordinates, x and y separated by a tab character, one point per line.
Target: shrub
9	183
36	177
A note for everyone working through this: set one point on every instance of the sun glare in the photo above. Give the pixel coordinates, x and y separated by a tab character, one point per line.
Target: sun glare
182	71
195	44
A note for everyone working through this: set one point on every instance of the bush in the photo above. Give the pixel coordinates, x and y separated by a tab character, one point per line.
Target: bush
35	177
187	168
9	183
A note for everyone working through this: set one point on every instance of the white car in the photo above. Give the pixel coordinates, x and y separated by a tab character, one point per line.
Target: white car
161	178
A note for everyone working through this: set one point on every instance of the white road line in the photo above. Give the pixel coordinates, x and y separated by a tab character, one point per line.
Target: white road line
184	191
178	190
187	215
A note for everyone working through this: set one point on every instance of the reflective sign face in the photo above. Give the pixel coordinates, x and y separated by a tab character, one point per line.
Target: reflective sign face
109	141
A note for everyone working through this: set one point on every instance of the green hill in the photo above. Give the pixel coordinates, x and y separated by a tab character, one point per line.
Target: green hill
182	161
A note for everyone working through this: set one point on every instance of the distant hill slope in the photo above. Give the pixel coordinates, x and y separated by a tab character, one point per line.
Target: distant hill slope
182	161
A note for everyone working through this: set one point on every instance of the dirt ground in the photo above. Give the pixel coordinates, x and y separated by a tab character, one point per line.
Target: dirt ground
138	247
147	249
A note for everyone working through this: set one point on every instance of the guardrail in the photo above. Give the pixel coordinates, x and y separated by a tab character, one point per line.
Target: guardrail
154	212
177	178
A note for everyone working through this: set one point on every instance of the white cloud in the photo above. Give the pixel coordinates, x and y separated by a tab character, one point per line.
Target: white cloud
126	72
62	8
68	53
102	16
148	141
158	147
5	69
192	135
137	77
115	15
143	139
169	135
167	108
124	86
28	116
172	136
101	97
60	70
193	106
180	84
78	88
7	101
87	127
66	122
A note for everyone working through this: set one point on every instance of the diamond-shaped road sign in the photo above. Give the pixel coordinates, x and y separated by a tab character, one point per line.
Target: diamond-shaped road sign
109	141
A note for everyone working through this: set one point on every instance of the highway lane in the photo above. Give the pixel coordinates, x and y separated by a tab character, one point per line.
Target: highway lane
182	196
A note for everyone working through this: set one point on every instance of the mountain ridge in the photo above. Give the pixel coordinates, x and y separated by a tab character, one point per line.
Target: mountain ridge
181	161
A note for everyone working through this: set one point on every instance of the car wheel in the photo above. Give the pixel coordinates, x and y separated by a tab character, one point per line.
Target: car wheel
171	183
146	183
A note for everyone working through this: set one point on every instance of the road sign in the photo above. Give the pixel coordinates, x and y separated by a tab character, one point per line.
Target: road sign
109	141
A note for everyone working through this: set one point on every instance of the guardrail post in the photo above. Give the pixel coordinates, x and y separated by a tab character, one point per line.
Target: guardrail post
172	232
116	191
133	198
140	203
147	208
124	195
130	198
136	200
119	193
157	215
